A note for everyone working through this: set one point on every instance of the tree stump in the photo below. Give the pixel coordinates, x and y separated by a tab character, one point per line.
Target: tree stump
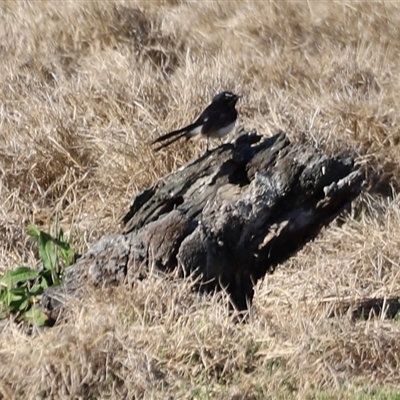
229	216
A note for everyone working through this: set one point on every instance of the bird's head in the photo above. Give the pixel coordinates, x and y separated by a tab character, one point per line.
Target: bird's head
226	97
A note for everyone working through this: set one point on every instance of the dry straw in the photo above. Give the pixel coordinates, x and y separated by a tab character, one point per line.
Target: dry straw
85	86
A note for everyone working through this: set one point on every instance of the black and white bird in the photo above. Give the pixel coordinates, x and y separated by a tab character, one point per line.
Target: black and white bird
216	121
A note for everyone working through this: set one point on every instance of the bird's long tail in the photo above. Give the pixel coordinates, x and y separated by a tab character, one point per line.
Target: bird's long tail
179	134
172	134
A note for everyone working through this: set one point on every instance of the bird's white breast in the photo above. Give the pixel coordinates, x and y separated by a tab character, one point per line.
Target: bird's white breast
223	131
194	131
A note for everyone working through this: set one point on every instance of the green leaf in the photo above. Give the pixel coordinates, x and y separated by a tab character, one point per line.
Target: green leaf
39	287
33	231
47	251
62	239
19	288
23	305
46	278
36	290
35	316
18	275
16	295
46	247
68	256
3	294
15	299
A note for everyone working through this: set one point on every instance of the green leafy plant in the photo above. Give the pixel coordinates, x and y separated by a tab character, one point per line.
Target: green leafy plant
20	288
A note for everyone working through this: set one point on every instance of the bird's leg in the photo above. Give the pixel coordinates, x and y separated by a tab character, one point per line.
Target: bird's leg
208	139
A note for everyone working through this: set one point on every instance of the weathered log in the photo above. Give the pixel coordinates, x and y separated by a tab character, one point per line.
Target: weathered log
230	216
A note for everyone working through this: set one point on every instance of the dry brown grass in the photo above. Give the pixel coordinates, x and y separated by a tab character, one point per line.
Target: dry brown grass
86	85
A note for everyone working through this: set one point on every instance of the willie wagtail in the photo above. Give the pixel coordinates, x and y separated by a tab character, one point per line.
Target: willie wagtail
216	121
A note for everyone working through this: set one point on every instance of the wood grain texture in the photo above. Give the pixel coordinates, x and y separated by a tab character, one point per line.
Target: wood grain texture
230	216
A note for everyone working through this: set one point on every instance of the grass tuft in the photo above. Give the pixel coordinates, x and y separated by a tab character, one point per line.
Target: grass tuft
86	86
